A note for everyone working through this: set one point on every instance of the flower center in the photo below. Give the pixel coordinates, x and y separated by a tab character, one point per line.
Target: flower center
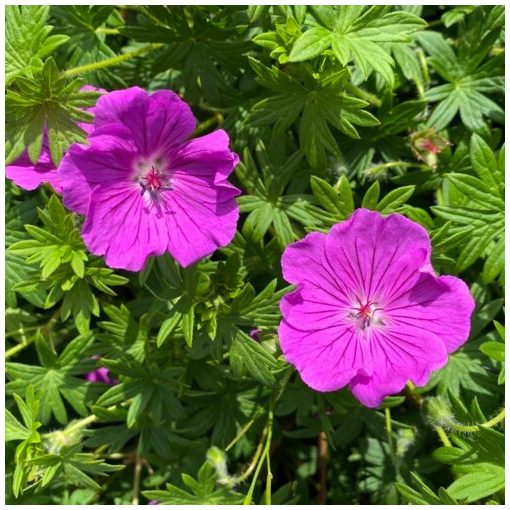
365	314
153	179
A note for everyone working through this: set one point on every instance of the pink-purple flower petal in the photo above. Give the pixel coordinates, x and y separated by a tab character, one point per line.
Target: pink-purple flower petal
368	311
144	189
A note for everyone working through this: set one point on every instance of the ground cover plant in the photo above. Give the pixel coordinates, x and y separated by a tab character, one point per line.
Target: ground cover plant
254	255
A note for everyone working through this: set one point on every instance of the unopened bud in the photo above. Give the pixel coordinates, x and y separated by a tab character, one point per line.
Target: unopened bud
439	412
218	460
426	145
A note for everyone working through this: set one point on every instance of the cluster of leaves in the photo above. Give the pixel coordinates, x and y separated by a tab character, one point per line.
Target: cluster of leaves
396	109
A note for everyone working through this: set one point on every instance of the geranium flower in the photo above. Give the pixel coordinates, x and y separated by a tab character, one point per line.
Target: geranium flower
145	188
368	310
28	175
100	375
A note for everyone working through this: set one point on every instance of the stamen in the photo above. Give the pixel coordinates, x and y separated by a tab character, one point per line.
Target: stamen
154	182
365	314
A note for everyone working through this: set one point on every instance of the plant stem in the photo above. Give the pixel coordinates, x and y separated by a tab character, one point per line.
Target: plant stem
363	94
14	350
459	427
241	433
442	435
268	432
21	331
374	170
269	479
112	31
389	432
112	61
203	126
323	462
413	394
241	478
494	421
81	423
45	328
137	476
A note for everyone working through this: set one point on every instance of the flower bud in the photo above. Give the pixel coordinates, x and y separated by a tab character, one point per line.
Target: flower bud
426	145
439	412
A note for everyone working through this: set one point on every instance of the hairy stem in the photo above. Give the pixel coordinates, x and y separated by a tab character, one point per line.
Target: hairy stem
80	424
241	478
268	432
114	61
459	427
363	94
374	170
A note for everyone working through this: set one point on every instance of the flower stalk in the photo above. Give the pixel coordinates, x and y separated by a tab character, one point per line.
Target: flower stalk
113	61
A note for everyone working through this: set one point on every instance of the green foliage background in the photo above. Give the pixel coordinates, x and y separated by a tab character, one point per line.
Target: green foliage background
327	107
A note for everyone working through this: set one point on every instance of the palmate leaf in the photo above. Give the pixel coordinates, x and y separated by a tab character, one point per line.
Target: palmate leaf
318	101
268	205
27	39
86	44
221	407
200	491
54	379
65	268
471	77
150	389
70	464
357	33
197	41
249	357
47	101
17	270
481	211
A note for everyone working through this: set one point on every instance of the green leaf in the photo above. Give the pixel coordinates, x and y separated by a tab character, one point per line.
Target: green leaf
485	164
14	430
311	44
475	486
27	39
202	491
168	326
371	196
46	99
249	357
328	197
394	199
53	380
495	350
469	83
320	102
17	270
356	34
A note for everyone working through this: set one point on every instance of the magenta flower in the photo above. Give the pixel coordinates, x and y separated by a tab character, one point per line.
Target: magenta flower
255	334
368	310
101	375
145	188
30	176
